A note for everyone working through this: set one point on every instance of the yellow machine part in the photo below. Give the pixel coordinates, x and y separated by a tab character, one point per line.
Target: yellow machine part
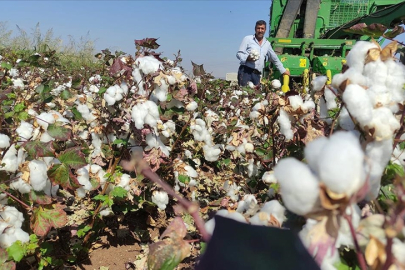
286	81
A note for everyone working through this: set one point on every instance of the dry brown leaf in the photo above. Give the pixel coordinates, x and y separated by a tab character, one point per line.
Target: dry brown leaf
375	253
372	55
330	200
389	51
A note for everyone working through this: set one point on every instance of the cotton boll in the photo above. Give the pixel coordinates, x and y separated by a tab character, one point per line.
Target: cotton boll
18	83
44	119
268	177
38	174
20	185
340	164
211	153
161	199
299	187
313	151
25	131
106	212
275	209
124	181
148	64
231	190
330	99
345	121
154	141
10	160
357	55
308	105
250	84
83	178
192	106
376	72
109	99
139	81
295	102
318	83
87	115
45	137
96	143
358	104
4	141
379	95
285	125
378	155
276	84
160	91
50	189
384	123
249	202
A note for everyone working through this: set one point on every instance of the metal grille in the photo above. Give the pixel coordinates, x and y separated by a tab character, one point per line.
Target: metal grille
346	10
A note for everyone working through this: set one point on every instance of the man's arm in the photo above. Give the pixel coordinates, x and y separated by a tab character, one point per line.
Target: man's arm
242	53
274	59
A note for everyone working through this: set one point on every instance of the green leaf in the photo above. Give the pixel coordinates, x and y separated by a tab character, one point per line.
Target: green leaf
8	115
66	94
59	132
19	107
102	90
184	179
121	141
40	197
23	116
77	114
37	149
101	198
61	174
73	157
118	192
6	65
82	232
46	217
16	251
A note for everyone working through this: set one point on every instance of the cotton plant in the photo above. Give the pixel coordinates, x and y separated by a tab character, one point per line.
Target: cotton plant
200	133
10	226
184	174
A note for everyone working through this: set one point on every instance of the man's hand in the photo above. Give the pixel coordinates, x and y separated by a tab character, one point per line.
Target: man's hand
249	59
287	72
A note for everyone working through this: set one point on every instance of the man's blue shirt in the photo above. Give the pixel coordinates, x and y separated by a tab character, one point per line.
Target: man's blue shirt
250	43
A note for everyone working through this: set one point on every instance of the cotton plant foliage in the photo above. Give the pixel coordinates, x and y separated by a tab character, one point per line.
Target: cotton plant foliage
207	142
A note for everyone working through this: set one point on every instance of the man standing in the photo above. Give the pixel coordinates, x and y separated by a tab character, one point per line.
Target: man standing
251	54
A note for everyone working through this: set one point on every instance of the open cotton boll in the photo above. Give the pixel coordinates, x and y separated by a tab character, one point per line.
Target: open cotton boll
10	160
299	186
249	202
376	72
160	91
285	125
318	83
231	190
250	84
18	83
384	123
124	181
312	152
50	189
275	209
330	98
295	102
268	177
192	106
211	152
86	113
148	64
96	143
308	105
145	112
340	164
20	185
358	103
4	141
25	131
154	141
106	212
378	155
44	119
276	84
379	95
161	199
38	174
45	137
345	121
357	55
139	81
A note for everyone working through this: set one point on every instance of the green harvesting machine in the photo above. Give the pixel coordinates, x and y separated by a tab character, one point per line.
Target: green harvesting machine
309	35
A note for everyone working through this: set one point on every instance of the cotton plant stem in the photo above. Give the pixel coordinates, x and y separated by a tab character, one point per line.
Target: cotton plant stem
181	132
359	254
192	208
17	200
388	251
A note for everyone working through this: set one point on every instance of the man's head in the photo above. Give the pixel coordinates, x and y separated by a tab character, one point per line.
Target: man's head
260	29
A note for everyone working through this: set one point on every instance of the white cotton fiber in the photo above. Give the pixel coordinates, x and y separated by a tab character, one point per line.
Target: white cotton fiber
148	64
275	209
276	84
340	164
313	151
20	185
211	152
160	91
378	154
38	174
44	119
384	123
318	83
25	131
192	106
86	113
154	141
295	102
4	141
268	177
357	55
330	99
10	160
285	125
299	186
161	199
124	181
358	104
345	121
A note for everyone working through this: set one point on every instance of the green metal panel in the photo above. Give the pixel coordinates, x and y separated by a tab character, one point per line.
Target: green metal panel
320	64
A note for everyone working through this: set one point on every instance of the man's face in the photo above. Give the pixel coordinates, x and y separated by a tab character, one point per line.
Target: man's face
260	29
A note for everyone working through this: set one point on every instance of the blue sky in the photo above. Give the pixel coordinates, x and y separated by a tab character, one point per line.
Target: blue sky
207	32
